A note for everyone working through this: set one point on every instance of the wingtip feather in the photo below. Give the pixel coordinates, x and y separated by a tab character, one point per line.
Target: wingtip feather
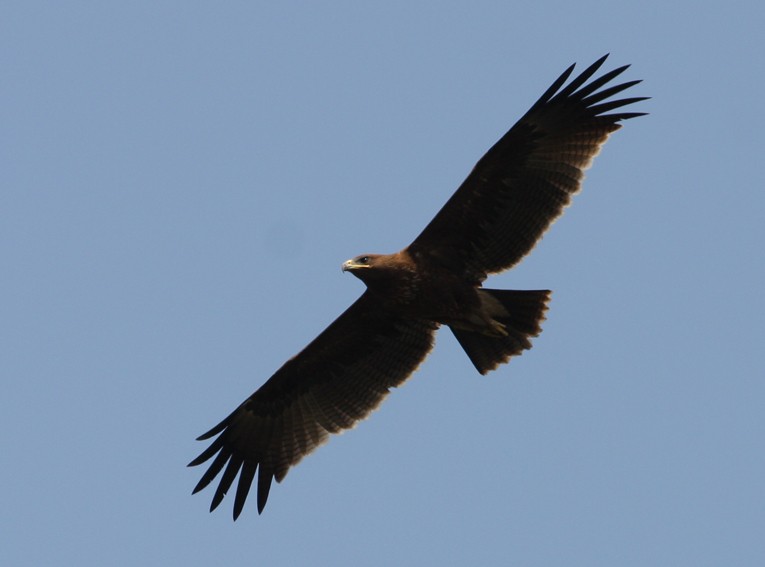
264	486
243	488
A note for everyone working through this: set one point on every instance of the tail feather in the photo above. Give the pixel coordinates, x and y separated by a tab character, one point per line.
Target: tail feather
525	313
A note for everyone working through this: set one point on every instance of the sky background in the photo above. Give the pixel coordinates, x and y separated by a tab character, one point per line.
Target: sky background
180	183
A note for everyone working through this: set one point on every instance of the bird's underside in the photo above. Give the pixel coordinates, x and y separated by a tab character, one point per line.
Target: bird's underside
517	189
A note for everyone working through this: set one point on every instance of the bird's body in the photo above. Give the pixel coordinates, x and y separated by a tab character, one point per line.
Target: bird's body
412	287
490	223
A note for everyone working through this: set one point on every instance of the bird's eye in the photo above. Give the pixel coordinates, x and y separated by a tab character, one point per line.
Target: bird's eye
363	260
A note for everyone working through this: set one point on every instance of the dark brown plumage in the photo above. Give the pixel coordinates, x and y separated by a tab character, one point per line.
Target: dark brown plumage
492	221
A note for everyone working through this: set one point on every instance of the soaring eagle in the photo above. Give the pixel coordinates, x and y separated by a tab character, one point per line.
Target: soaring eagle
492	221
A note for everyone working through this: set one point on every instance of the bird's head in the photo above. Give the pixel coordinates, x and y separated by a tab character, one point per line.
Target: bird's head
361	266
381	271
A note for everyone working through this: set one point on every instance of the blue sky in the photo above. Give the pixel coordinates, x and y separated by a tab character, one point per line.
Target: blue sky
180	183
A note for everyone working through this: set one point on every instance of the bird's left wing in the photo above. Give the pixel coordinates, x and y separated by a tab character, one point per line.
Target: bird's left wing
337	380
526	179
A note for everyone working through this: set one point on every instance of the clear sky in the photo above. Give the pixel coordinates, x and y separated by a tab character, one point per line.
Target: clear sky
180	183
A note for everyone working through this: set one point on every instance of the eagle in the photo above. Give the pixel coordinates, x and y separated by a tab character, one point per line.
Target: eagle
509	199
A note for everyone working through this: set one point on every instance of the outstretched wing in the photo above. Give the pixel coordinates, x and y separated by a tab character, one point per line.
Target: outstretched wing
526	179
333	383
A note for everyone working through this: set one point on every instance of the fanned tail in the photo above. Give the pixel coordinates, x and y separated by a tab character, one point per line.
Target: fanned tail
525	313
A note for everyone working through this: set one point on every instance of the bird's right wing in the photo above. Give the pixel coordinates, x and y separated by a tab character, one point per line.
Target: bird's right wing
337	380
